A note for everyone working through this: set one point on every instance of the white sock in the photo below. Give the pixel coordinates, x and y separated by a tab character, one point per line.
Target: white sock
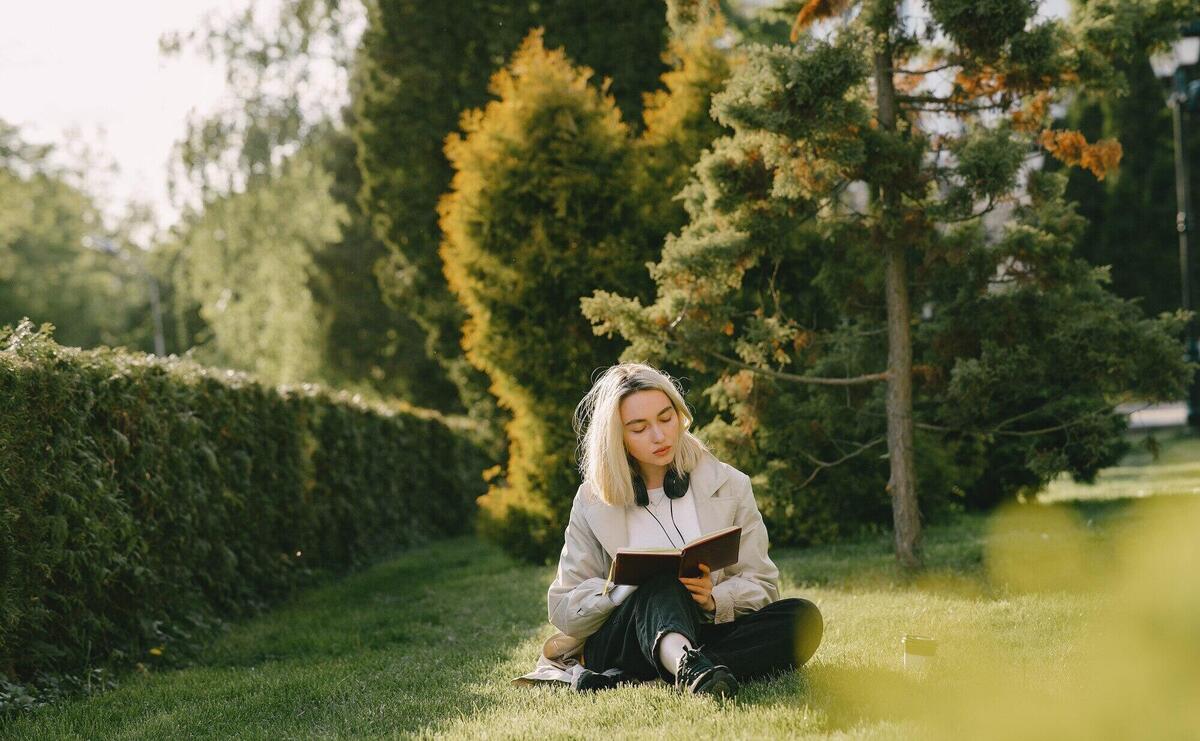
670	650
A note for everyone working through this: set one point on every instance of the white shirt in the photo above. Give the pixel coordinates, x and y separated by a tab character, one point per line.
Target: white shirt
676	516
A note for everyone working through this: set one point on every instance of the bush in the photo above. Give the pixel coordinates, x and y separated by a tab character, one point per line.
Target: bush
539	214
553	198
146	498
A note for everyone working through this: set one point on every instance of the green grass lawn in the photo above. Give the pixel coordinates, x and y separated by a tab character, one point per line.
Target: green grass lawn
1175	470
1063	620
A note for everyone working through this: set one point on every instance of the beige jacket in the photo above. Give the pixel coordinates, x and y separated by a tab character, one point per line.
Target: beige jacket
577	602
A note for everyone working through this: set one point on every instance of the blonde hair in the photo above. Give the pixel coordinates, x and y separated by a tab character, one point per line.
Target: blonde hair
603	461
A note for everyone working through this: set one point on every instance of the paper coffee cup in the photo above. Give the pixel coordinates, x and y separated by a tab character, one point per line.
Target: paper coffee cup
918	651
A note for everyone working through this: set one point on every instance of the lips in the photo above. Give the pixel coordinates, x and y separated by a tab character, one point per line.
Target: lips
663	450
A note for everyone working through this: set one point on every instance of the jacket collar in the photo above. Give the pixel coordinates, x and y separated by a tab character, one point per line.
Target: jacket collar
609	523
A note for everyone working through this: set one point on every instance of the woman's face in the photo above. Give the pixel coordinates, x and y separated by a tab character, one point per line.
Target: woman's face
650	426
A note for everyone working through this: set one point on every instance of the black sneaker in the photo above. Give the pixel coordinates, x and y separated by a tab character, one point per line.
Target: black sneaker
698	675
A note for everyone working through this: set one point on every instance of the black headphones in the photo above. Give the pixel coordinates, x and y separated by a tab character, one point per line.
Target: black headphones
674	486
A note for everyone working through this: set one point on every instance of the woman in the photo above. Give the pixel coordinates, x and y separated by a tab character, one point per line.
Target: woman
648	482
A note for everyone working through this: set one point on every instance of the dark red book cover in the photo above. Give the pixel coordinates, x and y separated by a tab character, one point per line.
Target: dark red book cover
717	550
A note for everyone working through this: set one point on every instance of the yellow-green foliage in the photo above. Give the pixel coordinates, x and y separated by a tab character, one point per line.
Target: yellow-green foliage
553	198
142	498
539	213
678	126
1118	660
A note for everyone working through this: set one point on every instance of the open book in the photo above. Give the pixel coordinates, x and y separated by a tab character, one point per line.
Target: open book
716	550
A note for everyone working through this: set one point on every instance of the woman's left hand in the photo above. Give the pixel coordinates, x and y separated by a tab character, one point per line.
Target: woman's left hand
701	588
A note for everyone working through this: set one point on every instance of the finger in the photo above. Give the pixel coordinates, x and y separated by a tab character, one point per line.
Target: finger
699	590
704	569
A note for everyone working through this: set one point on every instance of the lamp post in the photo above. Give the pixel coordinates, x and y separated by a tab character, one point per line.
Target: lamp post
1170	64
106	245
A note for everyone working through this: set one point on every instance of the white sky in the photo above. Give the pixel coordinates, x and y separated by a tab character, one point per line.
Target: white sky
94	68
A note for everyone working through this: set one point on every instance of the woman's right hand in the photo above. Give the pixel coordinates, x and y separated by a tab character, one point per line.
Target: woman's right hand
701	588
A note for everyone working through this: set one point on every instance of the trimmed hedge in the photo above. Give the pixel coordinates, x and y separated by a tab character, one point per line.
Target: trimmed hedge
143	498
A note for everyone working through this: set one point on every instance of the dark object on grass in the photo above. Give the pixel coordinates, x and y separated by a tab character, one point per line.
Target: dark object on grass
589	681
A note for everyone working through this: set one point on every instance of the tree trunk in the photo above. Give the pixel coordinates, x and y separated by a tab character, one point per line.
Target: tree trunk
906	516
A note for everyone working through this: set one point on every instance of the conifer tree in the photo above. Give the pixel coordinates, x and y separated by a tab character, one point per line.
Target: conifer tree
874	221
419	65
552	197
532	222
677	126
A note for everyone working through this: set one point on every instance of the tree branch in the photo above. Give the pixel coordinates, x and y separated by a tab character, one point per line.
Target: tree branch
857	451
987	209
822	465
931	70
816	380
941	104
998	428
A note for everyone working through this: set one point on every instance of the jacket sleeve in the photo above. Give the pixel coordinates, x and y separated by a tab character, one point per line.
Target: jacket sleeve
577	603
753	582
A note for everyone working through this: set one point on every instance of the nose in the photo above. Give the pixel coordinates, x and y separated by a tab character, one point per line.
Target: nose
657	434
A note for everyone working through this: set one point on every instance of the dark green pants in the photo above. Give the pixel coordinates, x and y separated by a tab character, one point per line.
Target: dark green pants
781	636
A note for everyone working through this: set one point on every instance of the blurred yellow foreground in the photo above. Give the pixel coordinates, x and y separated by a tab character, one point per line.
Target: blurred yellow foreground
1128	609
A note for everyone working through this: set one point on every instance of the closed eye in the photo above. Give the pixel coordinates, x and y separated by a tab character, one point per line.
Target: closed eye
664	415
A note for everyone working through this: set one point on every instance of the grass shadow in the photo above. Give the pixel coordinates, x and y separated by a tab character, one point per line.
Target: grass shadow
397	648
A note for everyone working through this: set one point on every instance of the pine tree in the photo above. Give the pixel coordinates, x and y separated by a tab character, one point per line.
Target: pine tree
873	221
